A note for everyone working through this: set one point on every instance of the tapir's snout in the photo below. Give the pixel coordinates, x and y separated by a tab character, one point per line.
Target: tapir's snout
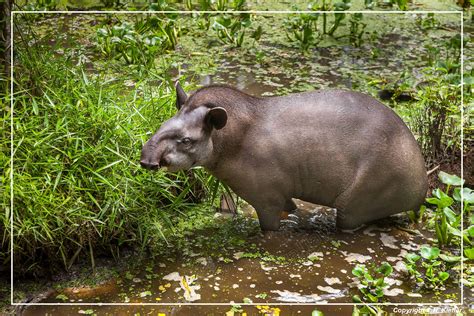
149	159
149	165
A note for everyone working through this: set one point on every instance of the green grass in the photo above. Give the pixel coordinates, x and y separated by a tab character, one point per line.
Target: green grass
78	186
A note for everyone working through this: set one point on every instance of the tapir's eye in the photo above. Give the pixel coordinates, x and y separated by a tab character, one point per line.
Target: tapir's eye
186	141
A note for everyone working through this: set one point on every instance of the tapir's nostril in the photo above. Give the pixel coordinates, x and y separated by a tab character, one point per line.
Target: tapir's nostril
149	165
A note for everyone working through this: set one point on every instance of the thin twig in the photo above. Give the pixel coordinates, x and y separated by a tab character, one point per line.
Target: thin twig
432	170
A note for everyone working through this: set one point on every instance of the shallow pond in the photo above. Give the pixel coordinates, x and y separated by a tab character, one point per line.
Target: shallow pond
307	261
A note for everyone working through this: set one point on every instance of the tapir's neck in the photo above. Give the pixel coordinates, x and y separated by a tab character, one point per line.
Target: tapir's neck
243	112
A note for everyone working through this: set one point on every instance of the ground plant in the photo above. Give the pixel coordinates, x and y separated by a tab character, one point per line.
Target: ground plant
448	214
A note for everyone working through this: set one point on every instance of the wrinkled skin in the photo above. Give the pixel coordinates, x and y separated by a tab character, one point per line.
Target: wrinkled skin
337	148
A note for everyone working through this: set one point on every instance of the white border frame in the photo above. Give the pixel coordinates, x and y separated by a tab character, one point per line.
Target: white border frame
269	12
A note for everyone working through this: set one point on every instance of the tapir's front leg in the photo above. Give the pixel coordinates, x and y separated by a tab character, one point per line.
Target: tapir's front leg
270	214
269	219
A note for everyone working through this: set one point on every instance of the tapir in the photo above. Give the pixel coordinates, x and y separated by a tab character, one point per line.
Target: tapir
337	148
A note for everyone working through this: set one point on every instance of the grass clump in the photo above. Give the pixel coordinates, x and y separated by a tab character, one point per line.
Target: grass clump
78	186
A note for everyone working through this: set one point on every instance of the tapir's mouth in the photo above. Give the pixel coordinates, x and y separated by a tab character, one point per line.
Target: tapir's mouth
149	165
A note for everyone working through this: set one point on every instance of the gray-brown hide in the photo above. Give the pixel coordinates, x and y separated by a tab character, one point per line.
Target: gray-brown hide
337	148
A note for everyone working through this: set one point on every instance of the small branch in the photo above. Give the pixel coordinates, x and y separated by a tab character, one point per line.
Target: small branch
432	170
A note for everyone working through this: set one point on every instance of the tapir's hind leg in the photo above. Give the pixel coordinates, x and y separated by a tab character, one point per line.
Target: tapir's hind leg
364	199
365	205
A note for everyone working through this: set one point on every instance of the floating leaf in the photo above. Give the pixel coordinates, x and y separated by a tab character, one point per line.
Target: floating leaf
386	269
443	276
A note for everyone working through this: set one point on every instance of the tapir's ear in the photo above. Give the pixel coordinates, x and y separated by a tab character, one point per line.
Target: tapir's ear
181	96
216	118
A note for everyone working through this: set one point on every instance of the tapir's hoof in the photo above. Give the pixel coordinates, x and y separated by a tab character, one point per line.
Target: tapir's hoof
271	234
270	227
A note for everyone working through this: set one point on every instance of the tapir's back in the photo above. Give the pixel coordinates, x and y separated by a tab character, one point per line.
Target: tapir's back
329	138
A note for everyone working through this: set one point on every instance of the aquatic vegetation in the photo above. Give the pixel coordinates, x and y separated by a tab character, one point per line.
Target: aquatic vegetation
372	282
357	29
139	42
429	267
437	114
111	3
427	21
401	4
308	29
303	29
230	29
447	219
220	5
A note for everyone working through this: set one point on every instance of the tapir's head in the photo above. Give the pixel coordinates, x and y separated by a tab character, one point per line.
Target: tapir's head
184	141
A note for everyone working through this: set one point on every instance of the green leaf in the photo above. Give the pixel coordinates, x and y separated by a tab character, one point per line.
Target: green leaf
454	231
412	257
440	199
379	282
443	276
146	293
356	299
470	231
359	271
62	297
450	179
449	258
449	214
386	269
257	33
469	253
247	300
317	313
467	195
429	253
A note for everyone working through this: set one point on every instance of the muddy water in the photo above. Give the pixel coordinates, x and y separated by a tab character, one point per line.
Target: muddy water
183	310
308	261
